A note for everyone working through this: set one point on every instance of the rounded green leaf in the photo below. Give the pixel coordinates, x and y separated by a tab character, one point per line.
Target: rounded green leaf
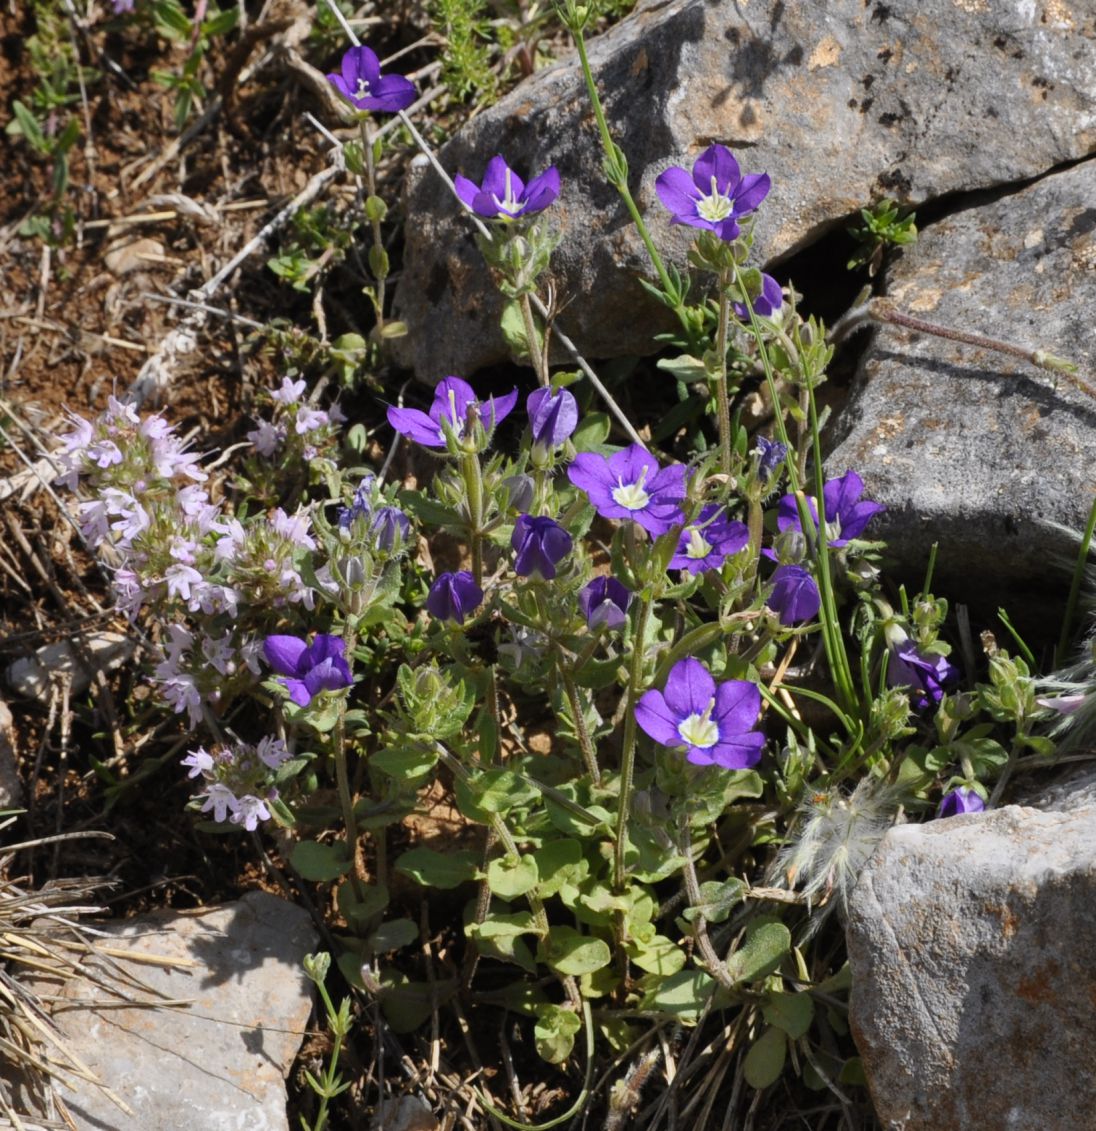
509	877
792	1013
320	862
555	1033
765	1060
767	942
437	869
568	951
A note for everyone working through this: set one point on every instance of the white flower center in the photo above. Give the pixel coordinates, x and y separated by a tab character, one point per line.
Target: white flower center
363	89
699	730
716	206
632	496
699	546
508	203
455	420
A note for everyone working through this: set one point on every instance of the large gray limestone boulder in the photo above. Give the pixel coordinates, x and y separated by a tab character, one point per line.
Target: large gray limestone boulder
840	101
216	1059
971	942
968	447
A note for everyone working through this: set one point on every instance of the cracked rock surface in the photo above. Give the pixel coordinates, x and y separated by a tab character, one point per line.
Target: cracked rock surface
840	101
970	942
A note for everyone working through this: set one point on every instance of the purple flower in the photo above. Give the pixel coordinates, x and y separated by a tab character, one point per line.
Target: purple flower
771	455
540	545
604	601
924	676
714	724
630	484
715	196
122	6
706	543
961	800
390	528
310	668
453	596
362	84
846	513
504	194
553	416
454	402
795	595
766	303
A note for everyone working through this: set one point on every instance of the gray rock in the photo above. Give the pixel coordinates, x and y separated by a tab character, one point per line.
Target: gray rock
971	943
29	676
11	788
218	1064
840	101
969	447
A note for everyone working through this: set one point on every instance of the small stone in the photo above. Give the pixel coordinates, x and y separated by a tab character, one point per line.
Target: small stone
405	1113
221	1060
29	676
11	788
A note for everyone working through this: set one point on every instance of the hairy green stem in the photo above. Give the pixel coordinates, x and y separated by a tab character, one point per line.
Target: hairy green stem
589	755
473	485
716	965
628	750
374	221
346	800
533	340
723	401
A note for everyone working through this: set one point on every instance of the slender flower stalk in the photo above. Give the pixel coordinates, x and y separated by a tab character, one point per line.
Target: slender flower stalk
628	748
378	256
723	400
589	755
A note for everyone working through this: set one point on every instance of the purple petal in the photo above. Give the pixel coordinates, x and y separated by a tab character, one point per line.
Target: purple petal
591	473
961	800
690	688
727	230
298	692
497	409
452	396
737	703
858	517
339	83
283	653
677	192
719	162
330	675
751	192
494	179
360	63
417	426
553	415
795	595
656	719
632	464
542	190
657	519
668	484
743	752
466	189
483	204
787	513
840	495
324	647
392	93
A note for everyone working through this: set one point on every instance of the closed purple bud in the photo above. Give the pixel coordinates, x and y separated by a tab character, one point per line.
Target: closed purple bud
540	544
454	596
520	488
765	304
924	676
553	416
771	453
604	601
795	595
961	800
390	527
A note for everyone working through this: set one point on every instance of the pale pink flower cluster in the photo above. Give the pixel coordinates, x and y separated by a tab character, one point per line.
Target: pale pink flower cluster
298	429
238	781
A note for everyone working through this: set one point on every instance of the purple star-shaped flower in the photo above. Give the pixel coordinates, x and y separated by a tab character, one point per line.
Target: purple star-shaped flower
925	676
960	800
309	668
714	724
362	83
846	513
454	400
604	601
766	303
453	596
715	195
504	194
553	416
795	595
540	545
708	542
631	485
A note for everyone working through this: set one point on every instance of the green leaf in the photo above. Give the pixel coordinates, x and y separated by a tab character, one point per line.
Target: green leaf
592	432
319	862
658	955
408	1004
765	1060
393	935
568	951
560	862
28	126
684	368
357	912
405	763
767	942
443	870
792	1013
220	23
681	995
718	900
508	877
492	792
555	1033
